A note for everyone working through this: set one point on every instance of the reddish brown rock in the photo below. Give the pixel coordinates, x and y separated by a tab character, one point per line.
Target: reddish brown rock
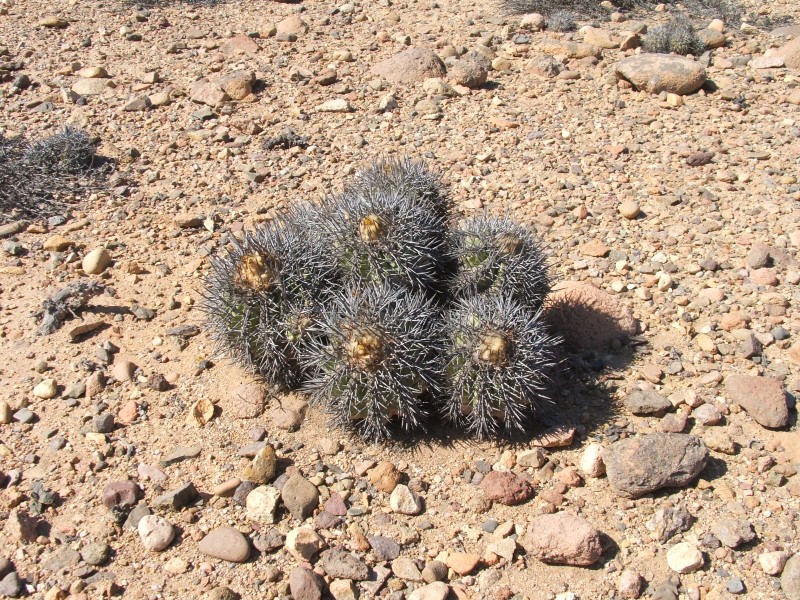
506	488
385	477
763	398
414	64
563	539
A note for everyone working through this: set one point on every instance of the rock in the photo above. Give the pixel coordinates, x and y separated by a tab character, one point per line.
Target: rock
711	38
384	548
707	414
123	370
630	584
340	564
286	419
463	563
139	104
177	498
247	400
646	463
96	261
567	48
545	65
433	591
412	65
221	593
595	36
335	505
95	553
588	317
684	558
292	25
592	460
11	586
434	571
179	454
471	70
406	569
337	105
53	22
208	93
656	73
666	522
262	469
155	532
225	543
762	397
404	501
790	53
103	423
300	496
772	563
559	436
304	584
790	578
385	476
120	494
343	589
647	402
46	389
733	532
237	85
261	504
57	243
239	44
506	488
563	539
630	209
91	87
304	543
139	511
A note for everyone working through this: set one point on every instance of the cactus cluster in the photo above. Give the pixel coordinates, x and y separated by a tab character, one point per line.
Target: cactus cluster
676	36
386	313
36	176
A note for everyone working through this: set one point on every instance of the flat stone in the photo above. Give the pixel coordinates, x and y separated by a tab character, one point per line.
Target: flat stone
225	543
506	488
790	53
95	553
646	463
563	539
463	563
91	87
337	105
656	73
569	49
412	65
11	586
647	402
179	454
239	44
772	61
406	569
588	317
733	532
763	398
208	93
300	496
667	522
433	591
341	564
62	560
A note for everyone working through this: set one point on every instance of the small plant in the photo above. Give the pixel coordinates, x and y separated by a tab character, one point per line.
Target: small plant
676	36
378	359
262	298
383	234
500	359
495	255
70	151
561	20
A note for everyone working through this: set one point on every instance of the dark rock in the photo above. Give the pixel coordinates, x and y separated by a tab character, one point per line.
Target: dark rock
177	499
384	548
506	488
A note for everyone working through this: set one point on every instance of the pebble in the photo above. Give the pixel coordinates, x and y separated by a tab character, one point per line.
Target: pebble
304	543
46	389
506	488
772	563
95	553
304	584
385	476
385	548
340	564
262	469
733	532
404	501
261	504
630	584
225	543
177	498
684	558
591	462
463	563
155	532
650	462
647	402
433	591
630	209
11	586
96	261
300	496
406	569
409	66
790	578
563	539
120	494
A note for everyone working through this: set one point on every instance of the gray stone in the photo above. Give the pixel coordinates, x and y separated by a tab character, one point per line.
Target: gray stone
340	564
62	560
103	423
300	496
11	586
647	402
384	548
666	522
139	511
790	578
733	532
178	498
656	73
95	553
646	463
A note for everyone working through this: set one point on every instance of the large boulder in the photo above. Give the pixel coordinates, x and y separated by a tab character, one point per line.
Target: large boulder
656	73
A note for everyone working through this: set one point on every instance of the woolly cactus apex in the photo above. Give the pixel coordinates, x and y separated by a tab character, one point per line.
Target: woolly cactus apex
262	298
498	256
501	357
407	177
383	235
377	360
561	20
70	151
